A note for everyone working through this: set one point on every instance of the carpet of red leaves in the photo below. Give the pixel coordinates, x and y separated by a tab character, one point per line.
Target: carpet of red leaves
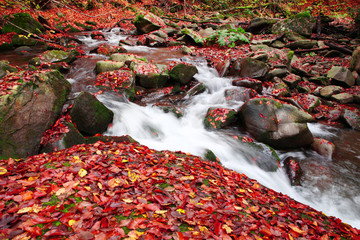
125	190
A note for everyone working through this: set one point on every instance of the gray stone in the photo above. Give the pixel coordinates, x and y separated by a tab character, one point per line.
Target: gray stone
182	73
343	98
330	90
278	124
5	67
292	80
355	61
107	66
54	56
148	23
323	147
278	72
302	44
302	23
248	67
351	117
341	75
249	83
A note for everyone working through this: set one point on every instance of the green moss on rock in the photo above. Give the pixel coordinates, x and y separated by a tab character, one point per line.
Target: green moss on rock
23	20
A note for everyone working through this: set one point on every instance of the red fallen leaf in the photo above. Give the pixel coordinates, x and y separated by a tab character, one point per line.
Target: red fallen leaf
55	232
136	222
266	232
151	207
34	230
296	229
162	199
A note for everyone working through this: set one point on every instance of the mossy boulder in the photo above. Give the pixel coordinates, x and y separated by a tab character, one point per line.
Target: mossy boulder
150	75
5	67
22	40
29	111
217	118
247	67
275	123
192	37
90	115
146	23
182	73
19	22
355	59
302	23
54	56
107	65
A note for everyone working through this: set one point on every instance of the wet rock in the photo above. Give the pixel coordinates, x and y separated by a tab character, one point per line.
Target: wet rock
210	156
124	57
302	44
239	94
260	25
247	67
106	49
277	72
302	23
217	118
155	41
195	90
323	147
351	117
249	83
182	73
280	89
292	80
6	68
192	37
330	90
343	98
98	35
171	109
264	156
29	111
148	23
90	115
25	21
308	102
54	56
341	76
150	75
107	66
278	124
355	61
293	170
118	80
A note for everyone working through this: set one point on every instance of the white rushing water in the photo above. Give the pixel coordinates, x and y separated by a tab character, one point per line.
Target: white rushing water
163	131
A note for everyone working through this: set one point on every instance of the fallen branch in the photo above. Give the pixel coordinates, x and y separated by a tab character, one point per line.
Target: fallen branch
341	49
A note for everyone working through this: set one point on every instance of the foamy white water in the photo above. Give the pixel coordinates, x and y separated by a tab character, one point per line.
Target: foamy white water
163	131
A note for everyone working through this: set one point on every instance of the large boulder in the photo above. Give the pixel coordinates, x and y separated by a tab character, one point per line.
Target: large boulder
302	23
22	23
341	76
148	23
29	111
275	123
54	56
182	72
351	117
323	147
118	80
192	37
90	115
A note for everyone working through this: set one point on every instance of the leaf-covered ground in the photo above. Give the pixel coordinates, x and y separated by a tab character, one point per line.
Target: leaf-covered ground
128	191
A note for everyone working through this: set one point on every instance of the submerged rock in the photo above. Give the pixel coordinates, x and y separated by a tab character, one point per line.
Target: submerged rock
29	111
54	56
275	123
90	115
293	170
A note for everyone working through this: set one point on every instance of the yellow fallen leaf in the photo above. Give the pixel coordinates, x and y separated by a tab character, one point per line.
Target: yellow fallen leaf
180	211
227	228
127	200
184	178
100	186
203	228
132	176
82	172
36	208
3	170
87	188
192	194
238	207
71	222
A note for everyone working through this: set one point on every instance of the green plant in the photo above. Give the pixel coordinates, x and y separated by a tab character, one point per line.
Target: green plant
229	37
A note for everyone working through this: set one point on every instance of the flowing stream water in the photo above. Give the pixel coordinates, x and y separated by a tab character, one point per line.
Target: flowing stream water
330	186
